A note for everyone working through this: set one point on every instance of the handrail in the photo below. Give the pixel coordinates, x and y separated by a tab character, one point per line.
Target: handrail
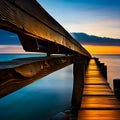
37	30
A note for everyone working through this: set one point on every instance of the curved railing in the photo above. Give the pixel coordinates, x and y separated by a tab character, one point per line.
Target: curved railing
37	30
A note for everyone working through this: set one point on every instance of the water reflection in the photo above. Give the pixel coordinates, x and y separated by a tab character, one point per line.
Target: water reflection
40	100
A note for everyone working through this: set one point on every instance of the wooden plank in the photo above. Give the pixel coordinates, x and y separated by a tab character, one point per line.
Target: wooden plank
96	86
92	72
98	83
98	101
99	115
95	80
96	92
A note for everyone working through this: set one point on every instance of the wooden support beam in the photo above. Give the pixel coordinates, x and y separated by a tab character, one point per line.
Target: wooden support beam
21	72
79	72
116	86
37	30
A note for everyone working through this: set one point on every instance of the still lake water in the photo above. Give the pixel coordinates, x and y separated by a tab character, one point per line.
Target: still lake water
49	95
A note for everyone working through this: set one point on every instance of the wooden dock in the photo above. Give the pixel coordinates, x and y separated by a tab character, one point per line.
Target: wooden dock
98	101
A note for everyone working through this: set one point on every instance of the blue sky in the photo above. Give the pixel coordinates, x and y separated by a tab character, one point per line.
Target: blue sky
95	17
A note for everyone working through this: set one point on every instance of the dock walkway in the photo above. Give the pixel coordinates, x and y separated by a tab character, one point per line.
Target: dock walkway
98	101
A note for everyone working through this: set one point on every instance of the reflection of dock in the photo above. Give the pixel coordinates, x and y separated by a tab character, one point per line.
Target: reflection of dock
21	72
98	101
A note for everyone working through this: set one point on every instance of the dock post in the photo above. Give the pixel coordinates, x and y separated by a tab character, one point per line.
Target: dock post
103	69
105	72
116	85
96	59
78	83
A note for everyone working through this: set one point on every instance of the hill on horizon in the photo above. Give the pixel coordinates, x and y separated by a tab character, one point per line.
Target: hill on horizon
86	39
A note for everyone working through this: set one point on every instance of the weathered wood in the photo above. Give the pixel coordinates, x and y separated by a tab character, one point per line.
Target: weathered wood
21	72
116	86
98	101
78	83
99	115
37	30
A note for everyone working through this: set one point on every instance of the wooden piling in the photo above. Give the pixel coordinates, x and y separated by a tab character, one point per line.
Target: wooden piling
116	85
103	69
78	84
105	72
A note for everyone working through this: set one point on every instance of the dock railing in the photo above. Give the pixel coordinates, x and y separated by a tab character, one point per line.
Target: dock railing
37	30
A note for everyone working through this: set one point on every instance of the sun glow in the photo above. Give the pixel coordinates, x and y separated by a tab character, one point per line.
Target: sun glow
102	49
11	49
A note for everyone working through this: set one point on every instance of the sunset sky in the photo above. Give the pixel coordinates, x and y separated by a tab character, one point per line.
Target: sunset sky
94	17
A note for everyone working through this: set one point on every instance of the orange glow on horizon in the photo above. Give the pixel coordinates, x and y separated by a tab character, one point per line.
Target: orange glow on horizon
93	49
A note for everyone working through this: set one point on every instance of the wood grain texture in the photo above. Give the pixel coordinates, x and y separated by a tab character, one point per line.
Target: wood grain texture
98	101
27	71
29	20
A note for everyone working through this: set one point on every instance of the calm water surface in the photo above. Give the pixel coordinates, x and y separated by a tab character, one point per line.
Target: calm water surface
49	95
40	100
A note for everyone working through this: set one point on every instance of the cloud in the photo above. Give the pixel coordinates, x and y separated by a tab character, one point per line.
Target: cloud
99	27
86	39
93	49
11	49
98	17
